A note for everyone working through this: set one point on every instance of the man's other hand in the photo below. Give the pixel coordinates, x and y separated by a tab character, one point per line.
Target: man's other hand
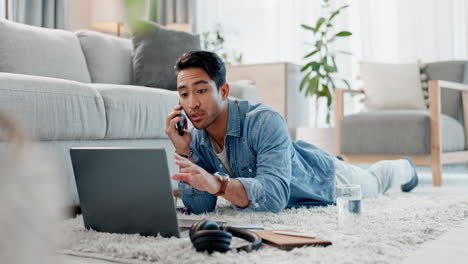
195	176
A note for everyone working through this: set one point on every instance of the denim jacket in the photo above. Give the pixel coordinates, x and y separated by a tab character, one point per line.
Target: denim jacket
275	171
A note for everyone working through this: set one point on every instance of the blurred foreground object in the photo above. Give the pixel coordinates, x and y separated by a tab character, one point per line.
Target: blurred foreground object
29	200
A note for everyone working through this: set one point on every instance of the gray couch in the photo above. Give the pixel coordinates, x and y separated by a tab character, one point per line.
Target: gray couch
74	90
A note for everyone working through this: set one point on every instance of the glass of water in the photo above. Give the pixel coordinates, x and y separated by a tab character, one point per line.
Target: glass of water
348	201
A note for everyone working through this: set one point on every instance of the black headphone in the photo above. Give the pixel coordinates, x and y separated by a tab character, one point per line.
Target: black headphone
208	235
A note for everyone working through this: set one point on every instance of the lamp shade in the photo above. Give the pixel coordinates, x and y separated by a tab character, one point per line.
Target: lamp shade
107	15
108	11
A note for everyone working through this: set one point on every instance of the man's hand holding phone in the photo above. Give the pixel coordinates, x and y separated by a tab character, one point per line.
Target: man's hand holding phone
180	137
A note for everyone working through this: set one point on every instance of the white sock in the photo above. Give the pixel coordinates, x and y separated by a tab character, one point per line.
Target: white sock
406	172
392	172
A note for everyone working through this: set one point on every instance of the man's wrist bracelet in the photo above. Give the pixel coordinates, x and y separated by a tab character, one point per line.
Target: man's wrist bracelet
186	156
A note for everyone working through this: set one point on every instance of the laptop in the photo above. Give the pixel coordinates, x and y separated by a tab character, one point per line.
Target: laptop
125	190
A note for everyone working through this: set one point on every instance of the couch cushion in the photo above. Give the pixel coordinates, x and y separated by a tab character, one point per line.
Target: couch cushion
135	111
156	52
53	109
40	51
109	58
396	132
453	71
392	86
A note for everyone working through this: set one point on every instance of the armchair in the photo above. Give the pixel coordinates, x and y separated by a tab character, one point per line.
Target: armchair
434	137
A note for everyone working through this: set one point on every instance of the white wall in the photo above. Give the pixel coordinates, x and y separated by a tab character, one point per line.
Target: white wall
387	31
80	14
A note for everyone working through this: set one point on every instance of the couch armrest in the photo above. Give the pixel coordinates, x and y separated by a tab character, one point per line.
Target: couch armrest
437	85
435	104
339	113
434	98
450	85
435	120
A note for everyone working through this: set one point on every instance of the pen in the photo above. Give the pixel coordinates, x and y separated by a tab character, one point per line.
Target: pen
296	234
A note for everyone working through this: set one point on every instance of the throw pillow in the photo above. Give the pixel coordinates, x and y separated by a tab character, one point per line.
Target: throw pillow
392	86
109	58
40	51
156	50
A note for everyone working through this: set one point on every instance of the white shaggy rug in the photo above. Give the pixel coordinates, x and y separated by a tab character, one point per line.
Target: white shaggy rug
392	226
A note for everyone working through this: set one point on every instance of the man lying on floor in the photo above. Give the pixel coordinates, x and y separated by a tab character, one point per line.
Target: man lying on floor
243	152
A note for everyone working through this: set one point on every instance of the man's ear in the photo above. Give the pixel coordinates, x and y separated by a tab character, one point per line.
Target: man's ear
224	91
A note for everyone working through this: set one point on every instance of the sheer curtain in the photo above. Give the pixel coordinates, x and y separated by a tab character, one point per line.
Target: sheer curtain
400	30
383	31
41	13
2	9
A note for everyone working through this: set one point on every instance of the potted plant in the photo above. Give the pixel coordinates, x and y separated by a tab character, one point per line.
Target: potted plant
320	68
214	41
320	71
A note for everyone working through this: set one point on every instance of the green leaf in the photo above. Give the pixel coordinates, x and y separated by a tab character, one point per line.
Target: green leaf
324	59
306	66
313	85
304	81
335	68
316	66
329	99
337	12
324	90
308	27
333	15
346	83
318	44
344	34
319	24
343	7
311	54
328	68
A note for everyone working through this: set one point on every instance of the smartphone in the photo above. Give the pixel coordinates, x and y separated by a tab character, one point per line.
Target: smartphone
181	124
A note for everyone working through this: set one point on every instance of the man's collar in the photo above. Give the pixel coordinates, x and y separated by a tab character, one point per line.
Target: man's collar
234	123
233	127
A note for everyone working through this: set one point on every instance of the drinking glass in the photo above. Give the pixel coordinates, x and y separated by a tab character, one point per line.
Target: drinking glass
348	201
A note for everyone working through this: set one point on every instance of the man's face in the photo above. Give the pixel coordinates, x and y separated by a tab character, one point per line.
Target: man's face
199	96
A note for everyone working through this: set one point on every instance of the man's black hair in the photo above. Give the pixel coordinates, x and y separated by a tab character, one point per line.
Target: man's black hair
208	61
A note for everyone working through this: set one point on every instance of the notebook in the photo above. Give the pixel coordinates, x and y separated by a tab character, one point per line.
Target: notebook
287	242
